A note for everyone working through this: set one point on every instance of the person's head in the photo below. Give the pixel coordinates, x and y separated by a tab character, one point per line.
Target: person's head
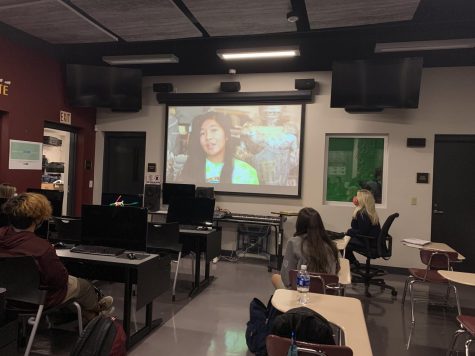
365	204
7	190
210	139
27	210
270	114
316	242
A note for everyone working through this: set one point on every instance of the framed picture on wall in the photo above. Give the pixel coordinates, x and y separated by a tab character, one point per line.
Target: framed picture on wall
25	155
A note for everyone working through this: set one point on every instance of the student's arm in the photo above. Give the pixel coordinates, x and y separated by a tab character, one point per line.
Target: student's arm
53	273
360	225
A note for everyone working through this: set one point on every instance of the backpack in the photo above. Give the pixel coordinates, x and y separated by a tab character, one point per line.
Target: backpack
103	336
306	324
261	318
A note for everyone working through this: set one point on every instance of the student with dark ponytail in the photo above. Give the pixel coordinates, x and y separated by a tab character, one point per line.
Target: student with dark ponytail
309	246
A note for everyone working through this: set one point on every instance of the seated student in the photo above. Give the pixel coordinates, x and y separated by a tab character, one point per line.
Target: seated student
365	222
7	191
309	246
25	212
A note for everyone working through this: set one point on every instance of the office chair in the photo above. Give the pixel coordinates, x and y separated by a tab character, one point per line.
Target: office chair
322	283
165	238
375	247
25	297
279	346
434	261
467	326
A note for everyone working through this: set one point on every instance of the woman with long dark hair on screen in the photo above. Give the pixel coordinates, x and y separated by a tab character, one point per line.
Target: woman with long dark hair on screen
210	154
309	246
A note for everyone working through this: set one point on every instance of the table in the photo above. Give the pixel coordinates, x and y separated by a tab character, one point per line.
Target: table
342	243
344	312
459	277
201	241
151	276
438	246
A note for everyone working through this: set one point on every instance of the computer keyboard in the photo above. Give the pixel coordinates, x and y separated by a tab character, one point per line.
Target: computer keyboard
98	250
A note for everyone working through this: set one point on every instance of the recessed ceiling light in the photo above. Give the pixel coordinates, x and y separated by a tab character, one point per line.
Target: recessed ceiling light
292	16
424	45
243	54
141	59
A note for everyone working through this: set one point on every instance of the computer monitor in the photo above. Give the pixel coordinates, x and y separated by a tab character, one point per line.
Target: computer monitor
191	211
175	190
55	197
111	226
204	192
3	217
65	229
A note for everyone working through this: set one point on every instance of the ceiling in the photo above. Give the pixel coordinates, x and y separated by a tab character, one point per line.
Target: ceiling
82	31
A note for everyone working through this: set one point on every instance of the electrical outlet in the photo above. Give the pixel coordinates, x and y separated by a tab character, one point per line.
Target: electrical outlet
413	201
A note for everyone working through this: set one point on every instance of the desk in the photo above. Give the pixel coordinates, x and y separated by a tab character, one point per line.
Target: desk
198	241
438	246
344	312
342	243
459	277
151	275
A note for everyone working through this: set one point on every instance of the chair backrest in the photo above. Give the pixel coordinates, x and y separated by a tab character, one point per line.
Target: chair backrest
67	229
20	277
435	260
322	283
385	243
279	346
164	235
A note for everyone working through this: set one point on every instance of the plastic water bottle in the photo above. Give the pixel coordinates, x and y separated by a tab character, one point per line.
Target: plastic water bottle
303	284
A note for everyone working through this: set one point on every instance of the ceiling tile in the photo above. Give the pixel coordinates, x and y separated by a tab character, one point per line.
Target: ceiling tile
244	17
140	20
53	22
344	13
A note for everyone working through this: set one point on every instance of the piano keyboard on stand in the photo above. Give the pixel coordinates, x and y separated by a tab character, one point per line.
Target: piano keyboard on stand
250	218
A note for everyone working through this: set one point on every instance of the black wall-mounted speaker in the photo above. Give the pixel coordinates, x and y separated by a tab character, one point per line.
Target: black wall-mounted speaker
162	87
416	142
151	197
305	84
230	87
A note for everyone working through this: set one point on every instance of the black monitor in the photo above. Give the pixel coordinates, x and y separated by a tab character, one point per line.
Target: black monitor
3	217
191	211
128	199
204	192
381	83
175	190
65	229
111	226
55	197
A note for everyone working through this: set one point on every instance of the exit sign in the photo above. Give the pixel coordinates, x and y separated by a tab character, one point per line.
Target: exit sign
65	117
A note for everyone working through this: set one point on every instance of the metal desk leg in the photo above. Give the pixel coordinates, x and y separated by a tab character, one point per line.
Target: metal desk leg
127	305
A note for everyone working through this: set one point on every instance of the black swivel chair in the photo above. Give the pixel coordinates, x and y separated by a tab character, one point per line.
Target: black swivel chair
375	247
165	238
25	297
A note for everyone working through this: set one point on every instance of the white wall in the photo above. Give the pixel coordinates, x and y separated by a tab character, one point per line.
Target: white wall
446	106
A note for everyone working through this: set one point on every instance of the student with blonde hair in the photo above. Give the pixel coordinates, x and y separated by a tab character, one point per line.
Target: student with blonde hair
7	191
365	222
25	212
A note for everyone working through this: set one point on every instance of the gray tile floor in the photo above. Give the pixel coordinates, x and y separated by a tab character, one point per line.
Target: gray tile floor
214	322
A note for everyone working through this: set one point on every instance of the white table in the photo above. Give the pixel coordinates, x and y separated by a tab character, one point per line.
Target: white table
438	246
459	277
344	312
342	243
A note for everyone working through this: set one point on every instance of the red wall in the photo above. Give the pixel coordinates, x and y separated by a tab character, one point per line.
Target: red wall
36	95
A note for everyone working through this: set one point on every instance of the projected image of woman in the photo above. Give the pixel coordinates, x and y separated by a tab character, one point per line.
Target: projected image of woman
211	155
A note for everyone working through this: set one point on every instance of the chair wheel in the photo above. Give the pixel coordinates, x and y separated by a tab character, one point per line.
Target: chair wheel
394	293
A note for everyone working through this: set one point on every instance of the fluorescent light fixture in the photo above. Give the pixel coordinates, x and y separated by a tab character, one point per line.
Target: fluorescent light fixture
424	45
141	59
243	54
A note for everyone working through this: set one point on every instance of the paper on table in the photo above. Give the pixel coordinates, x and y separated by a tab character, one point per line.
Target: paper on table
416	242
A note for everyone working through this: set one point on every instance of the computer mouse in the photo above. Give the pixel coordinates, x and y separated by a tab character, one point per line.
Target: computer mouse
59	245
131	256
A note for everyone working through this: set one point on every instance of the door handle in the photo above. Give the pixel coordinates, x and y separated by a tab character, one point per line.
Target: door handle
438	211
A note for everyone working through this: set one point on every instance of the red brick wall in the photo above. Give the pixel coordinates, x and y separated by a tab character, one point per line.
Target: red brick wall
36	95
